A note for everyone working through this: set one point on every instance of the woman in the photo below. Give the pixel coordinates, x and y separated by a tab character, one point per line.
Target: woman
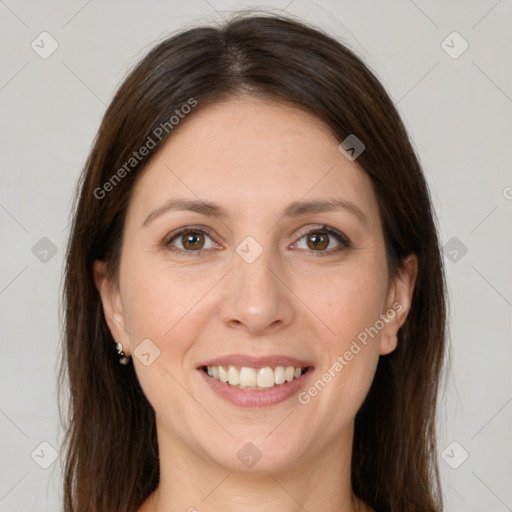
254	292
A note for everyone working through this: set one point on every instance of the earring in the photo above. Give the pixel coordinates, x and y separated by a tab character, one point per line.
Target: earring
123	358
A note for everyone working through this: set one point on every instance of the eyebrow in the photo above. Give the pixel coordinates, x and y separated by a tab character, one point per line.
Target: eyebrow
294	209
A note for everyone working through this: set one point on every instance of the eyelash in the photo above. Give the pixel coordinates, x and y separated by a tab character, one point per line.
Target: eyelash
340	237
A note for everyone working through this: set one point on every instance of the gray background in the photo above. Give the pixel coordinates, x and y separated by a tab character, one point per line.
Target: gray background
457	109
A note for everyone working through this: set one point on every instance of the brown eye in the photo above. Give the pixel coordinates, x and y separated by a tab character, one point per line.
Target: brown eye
318	241
193	241
323	241
190	241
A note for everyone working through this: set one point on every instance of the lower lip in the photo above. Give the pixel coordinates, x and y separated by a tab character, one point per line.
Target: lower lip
256	398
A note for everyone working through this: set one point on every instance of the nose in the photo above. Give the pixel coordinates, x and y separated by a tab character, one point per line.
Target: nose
259	301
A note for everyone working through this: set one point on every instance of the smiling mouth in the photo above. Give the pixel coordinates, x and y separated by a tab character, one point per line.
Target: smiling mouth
249	378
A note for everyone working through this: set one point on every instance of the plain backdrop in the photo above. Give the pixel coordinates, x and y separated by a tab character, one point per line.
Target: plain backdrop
457	104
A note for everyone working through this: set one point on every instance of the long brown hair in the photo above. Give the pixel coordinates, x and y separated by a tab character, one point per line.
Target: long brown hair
111	462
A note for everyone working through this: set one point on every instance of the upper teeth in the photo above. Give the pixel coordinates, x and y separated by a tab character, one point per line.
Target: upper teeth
254	378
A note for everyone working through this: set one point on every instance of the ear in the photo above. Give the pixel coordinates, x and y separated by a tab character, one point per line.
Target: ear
112	304
398	303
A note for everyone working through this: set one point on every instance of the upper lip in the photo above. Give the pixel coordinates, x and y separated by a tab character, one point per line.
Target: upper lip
256	362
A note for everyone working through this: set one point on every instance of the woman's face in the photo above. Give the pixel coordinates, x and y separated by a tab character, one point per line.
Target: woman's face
252	243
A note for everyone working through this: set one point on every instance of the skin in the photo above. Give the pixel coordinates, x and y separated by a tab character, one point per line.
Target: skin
253	157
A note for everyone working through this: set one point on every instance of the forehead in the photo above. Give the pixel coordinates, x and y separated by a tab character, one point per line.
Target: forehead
252	156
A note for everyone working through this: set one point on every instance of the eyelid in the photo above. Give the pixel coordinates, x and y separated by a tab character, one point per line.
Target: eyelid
192	227
325	228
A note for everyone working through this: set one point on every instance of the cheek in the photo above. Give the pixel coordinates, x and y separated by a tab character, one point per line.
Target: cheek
346	301
172	312
166	308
